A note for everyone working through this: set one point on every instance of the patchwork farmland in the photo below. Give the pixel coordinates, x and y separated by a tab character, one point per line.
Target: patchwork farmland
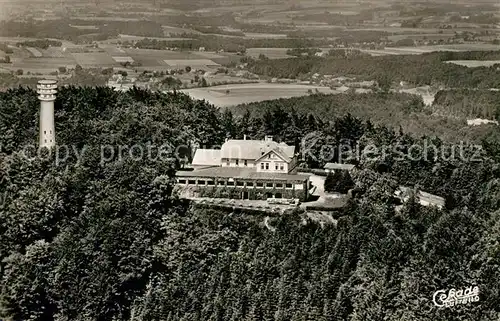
47	61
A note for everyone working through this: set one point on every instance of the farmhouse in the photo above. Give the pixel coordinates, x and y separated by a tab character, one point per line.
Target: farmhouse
246	169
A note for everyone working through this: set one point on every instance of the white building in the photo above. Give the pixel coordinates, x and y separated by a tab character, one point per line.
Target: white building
263	155
246	169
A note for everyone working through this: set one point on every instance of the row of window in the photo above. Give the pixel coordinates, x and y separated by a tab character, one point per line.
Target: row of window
239	184
265	166
237	161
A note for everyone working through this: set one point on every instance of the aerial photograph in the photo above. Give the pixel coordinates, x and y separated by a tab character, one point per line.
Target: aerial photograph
249	160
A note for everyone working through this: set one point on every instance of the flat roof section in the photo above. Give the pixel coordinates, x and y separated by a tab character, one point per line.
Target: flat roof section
334	166
47	82
240	172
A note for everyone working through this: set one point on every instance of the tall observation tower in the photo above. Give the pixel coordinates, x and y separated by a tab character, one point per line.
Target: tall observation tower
46	90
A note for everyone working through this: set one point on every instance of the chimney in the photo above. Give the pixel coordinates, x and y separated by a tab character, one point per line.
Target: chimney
269	138
245	137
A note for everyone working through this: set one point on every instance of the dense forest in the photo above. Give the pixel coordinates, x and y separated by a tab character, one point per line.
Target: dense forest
40	43
445	118
79	76
425	69
468	103
101	235
228	44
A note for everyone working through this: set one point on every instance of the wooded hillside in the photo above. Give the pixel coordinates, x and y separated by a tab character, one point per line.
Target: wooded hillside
103	237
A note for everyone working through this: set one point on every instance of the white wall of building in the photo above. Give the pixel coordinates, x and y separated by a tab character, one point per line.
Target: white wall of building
47	129
273	166
272	163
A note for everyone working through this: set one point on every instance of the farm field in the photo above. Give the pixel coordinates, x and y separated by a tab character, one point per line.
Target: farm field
247	93
114	50
167	30
211	55
146	54
152	58
254	35
271	53
408	30
236	8
95	59
426	49
193	63
136	38
39	65
428	36
35	52
53	52
13	40
474	63
84	27
126	19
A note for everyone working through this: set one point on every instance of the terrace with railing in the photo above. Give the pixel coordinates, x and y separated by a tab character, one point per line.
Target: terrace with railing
46	90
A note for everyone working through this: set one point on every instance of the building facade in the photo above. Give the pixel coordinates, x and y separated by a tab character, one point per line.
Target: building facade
245	169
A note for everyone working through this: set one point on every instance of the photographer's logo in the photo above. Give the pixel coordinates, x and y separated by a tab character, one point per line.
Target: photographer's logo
455	297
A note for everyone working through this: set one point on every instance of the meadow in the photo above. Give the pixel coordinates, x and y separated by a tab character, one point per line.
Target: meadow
236	94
